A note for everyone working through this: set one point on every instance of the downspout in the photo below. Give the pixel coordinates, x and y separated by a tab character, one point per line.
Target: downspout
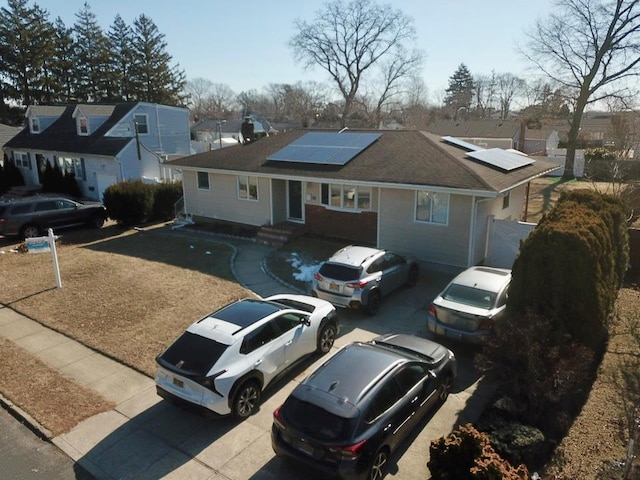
378	221
158	130
472	229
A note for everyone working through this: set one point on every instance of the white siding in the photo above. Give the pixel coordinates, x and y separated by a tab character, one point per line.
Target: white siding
221	200
441	244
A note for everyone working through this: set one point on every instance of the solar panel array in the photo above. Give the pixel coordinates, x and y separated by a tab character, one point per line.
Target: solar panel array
325	148
461	143
500	158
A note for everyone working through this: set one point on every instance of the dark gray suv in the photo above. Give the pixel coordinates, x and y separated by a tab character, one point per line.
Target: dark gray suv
352	412
32	216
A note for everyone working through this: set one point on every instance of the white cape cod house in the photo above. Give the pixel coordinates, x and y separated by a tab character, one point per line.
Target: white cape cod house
100	144
406	190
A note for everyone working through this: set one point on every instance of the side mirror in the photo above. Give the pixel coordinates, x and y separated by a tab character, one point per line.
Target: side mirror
305	321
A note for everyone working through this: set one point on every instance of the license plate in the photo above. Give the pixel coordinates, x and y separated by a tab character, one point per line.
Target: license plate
334	286
178	383
304	447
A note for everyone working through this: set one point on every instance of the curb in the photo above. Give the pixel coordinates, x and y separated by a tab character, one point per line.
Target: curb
27	420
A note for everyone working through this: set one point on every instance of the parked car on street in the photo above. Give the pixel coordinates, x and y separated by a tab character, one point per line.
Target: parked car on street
359	277
468	307
348	417
34	215
224	361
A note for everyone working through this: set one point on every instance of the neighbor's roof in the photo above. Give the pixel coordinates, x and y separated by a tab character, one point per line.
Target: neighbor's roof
399	157
485	128
7	132
62	136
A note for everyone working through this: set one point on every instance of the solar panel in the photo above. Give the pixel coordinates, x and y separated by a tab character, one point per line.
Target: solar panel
502	159
461	143
325	148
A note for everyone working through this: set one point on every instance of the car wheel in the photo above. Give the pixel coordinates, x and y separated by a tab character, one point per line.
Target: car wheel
379	465
412	279
246	400
29	231
326	338
374	303
445	388
97	221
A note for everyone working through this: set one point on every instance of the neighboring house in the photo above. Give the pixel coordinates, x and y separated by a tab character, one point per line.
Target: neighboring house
100	144
210	132
407	190
7	132
489	133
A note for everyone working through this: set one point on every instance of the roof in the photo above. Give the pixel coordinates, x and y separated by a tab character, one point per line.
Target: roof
399	157
62	136
484	128
260	124
484	278
354	255
7	132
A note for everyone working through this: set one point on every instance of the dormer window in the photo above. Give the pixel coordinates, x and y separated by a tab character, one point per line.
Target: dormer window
83	126
34	123
141	123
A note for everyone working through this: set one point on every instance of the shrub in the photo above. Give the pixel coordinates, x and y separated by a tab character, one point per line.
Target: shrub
570	267
165	196
10	176
129	202
466	454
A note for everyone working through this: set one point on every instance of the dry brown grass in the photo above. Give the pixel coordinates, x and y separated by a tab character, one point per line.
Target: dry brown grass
127	295
56	402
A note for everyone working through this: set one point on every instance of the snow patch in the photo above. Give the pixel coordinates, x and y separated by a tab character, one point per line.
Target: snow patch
304	269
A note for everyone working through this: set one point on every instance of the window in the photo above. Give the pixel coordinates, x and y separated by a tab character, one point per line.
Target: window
384	399
21	159
261	336
45	206
35	124
203	181
505	200
247	187
141	124
409	376
83	126
286	322
432	207
346	196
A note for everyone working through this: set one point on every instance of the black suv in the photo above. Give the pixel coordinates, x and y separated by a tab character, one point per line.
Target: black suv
349	415
32	216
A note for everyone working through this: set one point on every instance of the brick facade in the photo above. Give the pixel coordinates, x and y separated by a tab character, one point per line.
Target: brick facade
359	227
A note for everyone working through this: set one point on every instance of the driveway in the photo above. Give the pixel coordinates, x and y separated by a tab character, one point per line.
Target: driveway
146	438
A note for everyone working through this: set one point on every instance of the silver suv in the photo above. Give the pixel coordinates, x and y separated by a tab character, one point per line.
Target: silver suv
358	277
32	216
224	361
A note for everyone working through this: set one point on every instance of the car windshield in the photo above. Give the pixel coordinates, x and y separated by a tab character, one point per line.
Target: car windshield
193	353
474	297
340	272
315	421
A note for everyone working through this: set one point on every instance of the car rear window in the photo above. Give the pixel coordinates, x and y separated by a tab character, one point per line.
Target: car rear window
315	421
193	354
340	272
474	297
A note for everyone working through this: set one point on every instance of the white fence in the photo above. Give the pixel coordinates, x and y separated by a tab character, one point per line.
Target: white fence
503	243
559	155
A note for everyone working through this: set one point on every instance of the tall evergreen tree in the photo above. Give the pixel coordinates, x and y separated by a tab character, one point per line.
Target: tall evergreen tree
26	41
121	60
460	92
63	63
92	57
154	79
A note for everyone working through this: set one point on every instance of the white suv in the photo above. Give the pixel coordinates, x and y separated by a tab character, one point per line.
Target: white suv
224	361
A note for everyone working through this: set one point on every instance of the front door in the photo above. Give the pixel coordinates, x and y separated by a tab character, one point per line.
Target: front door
295	212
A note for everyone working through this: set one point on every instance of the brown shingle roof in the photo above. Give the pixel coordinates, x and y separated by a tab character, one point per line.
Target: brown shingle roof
398	157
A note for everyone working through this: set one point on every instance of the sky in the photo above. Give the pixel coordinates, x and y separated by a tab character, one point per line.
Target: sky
244	43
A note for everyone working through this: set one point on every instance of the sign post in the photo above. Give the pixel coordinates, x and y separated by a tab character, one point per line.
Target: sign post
44	245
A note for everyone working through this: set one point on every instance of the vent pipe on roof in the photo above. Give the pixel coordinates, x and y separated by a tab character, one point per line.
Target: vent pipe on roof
345	128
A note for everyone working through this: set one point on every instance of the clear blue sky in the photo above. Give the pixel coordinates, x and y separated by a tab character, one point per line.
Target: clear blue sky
243	43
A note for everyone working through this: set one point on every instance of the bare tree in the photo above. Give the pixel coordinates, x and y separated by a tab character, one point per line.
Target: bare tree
197	91
508	86
590	47
221	100
349	39
484	93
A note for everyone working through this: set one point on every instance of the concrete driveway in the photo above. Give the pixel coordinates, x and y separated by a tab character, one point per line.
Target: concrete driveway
146	438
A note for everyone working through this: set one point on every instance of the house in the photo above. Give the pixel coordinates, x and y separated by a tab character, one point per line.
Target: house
7	132
214	134
100	144
402	189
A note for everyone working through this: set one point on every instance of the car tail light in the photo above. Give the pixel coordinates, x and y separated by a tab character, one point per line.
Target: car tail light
210	382
318	277
357	285
350	452
277	419
432	311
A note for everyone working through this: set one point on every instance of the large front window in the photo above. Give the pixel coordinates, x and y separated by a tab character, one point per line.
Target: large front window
350	197
247	187
432	207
